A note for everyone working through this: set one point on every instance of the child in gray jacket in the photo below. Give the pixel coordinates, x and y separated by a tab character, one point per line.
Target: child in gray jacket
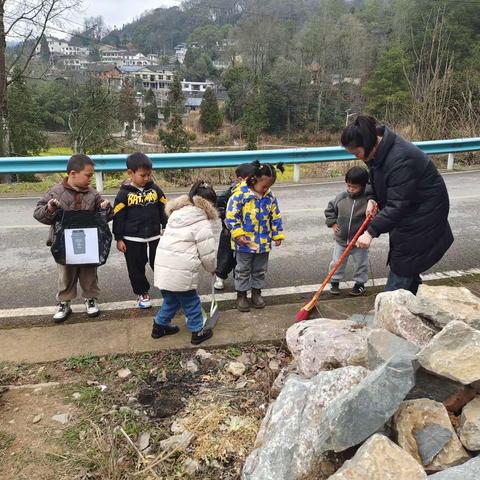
345	214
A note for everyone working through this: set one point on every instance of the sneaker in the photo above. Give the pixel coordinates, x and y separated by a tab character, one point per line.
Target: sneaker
201	336
357	290
334	288
62	313
219	283
159	331
243	305
92	307
257	299
143	301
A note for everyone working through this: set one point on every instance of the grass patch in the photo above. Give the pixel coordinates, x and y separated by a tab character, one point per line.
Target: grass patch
6	441
80	362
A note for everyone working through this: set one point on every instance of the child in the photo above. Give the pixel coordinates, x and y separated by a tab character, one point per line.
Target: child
345	214
138	220
187	244
254	220
74	193
225	255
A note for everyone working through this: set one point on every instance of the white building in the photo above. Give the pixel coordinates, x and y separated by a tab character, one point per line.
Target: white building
59	47
181	52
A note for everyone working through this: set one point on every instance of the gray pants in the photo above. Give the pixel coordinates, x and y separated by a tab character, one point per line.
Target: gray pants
250	271
360	262
70	275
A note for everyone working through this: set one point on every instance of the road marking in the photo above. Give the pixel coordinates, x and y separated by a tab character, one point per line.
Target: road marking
222	297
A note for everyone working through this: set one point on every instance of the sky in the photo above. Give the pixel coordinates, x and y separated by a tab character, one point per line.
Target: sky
119	12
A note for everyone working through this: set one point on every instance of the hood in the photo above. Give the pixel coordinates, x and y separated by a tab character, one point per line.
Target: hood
127	185
182	213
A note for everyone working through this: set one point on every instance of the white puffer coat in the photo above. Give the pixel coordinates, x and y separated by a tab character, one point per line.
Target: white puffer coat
187	243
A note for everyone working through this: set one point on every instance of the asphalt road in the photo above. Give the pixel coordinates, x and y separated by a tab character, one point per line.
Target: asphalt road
28	272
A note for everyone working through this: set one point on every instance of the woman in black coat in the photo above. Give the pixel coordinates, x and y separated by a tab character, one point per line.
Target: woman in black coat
410	197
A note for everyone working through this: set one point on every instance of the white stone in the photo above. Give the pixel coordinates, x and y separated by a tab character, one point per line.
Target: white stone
143	441
177	442
324	344
470	425
37	418
192	366
237	369
62	418
124	373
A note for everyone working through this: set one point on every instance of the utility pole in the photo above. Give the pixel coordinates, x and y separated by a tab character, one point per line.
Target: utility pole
348	115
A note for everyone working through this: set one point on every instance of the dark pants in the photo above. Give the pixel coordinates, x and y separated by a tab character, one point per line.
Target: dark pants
191	306
225	256
395	282
137	256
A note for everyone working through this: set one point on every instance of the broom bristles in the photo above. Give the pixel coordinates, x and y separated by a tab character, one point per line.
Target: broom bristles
302	315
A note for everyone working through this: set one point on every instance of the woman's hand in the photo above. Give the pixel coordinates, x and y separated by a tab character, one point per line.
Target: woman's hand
372	208
364	240
335	228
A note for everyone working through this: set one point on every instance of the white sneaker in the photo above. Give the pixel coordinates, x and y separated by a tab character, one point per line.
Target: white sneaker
144	301
219	284
92	307
62	313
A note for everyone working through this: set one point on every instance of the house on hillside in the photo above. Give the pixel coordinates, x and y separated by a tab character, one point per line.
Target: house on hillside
58	47
181	52
108	73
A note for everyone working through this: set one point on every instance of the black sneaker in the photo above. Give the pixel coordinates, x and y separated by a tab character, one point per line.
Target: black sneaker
201	336
159	331
357	290
334	288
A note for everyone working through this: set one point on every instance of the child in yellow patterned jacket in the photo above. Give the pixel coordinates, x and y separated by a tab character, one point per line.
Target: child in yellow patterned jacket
254	220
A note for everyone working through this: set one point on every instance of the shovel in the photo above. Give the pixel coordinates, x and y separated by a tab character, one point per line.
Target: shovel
210	319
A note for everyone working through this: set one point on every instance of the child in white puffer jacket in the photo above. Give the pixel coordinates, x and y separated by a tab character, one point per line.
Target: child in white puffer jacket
187	244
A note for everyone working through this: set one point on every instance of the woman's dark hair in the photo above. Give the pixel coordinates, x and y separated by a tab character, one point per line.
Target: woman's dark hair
204	190
361	133
244	170
138	160
263	170
357	176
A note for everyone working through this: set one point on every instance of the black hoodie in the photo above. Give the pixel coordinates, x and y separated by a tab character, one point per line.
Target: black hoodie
139	213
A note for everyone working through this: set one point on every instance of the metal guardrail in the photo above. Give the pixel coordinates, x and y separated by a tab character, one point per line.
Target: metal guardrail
296	156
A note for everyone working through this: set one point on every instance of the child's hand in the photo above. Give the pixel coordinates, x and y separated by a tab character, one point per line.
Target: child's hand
243	241
121	247
278	243
105	204
52	205
336	228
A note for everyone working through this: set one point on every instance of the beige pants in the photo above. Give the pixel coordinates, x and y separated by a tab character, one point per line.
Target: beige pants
69	275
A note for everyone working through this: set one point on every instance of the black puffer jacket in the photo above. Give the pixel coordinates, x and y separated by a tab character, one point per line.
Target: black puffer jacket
414	205
139	213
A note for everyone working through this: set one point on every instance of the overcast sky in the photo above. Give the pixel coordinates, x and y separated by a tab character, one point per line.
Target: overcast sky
118	12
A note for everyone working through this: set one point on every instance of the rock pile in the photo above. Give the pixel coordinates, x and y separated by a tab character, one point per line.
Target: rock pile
394	398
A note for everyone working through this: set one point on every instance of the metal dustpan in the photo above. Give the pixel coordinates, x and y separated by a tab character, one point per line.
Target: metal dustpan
210	319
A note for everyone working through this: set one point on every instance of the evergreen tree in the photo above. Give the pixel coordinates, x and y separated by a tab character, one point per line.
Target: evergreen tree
255	118
127	106
26	132
150	112
176	99
210	116
387	92
44	50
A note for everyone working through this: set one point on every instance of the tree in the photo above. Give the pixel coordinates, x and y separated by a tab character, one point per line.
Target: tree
54	97
44	50
28	20
27	136
92	118
175	104
127	106
388	92
255	118
150	112
210	116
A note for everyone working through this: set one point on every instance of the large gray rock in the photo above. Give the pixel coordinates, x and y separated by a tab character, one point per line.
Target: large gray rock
414	416
383	345
454	353
468	471
287	445
367	406
470	425
394	312
442	305
324	344
380	459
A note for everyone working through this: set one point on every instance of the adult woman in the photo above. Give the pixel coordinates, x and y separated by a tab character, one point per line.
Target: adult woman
410	196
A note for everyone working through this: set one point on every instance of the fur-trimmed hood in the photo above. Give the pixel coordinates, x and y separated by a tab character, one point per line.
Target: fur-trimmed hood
199	202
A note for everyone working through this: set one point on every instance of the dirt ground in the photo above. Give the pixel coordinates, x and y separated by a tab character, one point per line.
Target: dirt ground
108	419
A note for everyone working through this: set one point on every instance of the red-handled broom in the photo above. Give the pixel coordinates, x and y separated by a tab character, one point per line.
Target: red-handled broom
304	313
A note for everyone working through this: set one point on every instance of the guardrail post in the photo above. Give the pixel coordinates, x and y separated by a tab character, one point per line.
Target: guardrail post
450	161
99	181
296	172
